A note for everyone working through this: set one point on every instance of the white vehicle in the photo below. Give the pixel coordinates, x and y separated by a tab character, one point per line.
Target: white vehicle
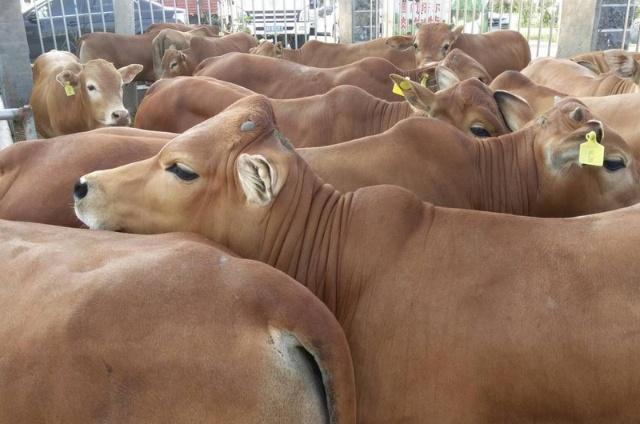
292	20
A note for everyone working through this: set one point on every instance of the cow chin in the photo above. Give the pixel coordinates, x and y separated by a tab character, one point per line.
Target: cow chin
93	221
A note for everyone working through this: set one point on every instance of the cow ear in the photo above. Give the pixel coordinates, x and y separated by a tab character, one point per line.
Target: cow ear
129	72
258	179
621	62
515	110
400	42
421	99
590	66
445	77
458	31
68	77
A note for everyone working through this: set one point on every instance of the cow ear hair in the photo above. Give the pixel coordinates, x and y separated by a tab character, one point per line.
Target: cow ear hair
258	179
445	77
621	62
129	72
458	31
515	110
68	76
400	42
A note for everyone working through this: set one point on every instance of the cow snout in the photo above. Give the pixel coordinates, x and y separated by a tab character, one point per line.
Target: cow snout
80	190
120	117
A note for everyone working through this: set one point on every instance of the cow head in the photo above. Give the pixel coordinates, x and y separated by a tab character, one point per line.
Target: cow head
267	48
434	41
220	178
469	105
97	84
566	185
464	66
175	63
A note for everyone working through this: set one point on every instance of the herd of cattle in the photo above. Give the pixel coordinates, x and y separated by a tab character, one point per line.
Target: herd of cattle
417	190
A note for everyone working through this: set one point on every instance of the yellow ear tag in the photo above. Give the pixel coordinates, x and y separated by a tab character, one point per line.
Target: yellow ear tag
68	89
591	152
404	85
424	80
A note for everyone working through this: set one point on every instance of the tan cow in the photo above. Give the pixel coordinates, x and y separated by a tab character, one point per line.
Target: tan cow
497	51
569	77
331	55
281	79
602	62
114	328
171	38
345	112
620	111
70	97
451	315
184	62
123	50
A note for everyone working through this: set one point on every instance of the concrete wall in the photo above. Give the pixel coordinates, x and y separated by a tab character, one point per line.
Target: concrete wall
15	67
577	27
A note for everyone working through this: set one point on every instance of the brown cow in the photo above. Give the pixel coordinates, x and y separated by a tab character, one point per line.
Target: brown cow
601	62
619	111
122	50
171	38
576	80
331	55
114	328
346	112
57	163
212	29
281	79
432	159
184	62
497	51
70	97
451	315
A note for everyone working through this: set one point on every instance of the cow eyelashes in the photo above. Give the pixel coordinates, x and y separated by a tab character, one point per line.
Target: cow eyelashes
480	132
182	172
614	164
91	87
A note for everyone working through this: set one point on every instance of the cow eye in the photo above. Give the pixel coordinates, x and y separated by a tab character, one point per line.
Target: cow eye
173	65
415	45
182	172
446	47
480	132
91	87
614	165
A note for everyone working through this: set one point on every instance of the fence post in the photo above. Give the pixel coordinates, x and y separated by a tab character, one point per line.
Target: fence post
345	20
15	66
124	20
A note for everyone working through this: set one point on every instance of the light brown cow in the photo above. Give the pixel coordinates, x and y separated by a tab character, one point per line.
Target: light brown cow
451	315
602	62
100	327
123	50
184	62
281	79
497	51
70	97
331	55
171	38
619	111
569	77
345	112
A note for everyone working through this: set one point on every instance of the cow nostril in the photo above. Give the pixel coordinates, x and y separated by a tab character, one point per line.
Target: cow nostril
80	190
120	114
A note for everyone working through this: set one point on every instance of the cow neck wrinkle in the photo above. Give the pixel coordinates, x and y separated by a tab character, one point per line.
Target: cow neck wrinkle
291	55
305	240
386	114
508	175
613	84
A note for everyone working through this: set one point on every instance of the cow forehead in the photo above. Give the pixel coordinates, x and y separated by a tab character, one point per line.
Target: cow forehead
102	72
472	92
433	34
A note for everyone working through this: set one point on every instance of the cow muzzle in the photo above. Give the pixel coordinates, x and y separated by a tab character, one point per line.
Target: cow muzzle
120	118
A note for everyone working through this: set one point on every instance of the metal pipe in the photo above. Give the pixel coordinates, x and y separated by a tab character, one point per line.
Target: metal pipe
104	25
64	22
624	28
14	114
540	23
